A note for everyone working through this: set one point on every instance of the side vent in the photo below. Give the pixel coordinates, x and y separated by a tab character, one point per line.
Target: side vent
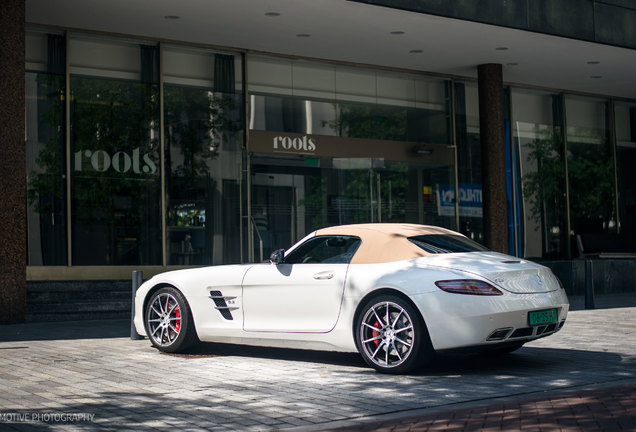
220	304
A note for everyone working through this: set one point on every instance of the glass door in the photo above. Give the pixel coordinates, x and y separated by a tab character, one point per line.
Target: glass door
293	195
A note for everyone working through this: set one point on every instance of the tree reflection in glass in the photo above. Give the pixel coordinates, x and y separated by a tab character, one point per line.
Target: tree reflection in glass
198	122
46	161
116	178
544	188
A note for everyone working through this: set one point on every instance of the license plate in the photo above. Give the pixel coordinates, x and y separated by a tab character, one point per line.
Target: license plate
547	316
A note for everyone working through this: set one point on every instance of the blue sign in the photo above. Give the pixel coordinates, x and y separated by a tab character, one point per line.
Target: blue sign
470	203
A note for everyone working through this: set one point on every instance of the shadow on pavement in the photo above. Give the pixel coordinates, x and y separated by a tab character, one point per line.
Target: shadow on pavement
448	381
61	330
208	349
527	360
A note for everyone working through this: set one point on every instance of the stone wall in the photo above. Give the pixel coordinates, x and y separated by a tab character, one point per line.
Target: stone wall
12	163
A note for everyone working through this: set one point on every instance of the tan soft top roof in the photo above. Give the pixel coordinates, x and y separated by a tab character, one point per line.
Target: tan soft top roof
385	242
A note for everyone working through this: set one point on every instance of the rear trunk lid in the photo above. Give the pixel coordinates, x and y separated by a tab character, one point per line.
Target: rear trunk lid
512	274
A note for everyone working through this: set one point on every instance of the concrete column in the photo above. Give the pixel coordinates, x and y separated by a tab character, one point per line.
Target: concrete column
493	156
12	163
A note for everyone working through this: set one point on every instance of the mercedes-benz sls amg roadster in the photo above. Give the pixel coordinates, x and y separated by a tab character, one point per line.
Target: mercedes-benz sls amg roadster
395	293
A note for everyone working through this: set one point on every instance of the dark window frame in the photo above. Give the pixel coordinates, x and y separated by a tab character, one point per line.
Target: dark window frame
305	253
446	243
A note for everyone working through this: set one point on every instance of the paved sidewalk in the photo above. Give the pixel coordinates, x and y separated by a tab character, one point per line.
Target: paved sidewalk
84	376
606	409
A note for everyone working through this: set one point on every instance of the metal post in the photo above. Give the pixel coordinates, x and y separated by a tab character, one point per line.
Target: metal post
137	279
455	155
589	285
568	222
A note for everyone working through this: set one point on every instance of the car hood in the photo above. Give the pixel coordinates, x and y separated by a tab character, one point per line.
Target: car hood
504	271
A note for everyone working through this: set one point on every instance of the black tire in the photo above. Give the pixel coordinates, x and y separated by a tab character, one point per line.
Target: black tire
168	321
395	345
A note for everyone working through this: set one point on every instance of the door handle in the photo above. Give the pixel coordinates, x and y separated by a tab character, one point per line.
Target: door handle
324	275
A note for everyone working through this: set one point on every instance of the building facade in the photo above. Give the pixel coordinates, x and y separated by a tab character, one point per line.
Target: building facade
156	150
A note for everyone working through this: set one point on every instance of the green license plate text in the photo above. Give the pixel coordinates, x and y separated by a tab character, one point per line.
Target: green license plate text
547	316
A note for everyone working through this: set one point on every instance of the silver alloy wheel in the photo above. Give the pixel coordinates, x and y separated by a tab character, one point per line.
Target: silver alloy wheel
387	334
164	319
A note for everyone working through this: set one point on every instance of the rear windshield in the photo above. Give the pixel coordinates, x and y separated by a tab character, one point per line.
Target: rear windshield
444	243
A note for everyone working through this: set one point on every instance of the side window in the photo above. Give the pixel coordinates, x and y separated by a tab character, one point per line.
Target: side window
325	249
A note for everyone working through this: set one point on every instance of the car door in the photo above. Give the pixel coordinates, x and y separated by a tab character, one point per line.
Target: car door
304	292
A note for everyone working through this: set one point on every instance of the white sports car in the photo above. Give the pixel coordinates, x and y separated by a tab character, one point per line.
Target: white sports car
396	293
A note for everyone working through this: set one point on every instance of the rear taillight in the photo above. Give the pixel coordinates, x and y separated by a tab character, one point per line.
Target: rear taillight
468	286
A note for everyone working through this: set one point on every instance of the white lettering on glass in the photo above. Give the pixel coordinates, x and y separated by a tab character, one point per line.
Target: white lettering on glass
121	162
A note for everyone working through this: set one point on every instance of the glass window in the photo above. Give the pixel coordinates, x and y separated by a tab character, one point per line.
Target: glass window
590	166
203	137
349	119
325	249
311	98
468	161
289	114
625	118
379	149
116	211
45	149
437	244
115	152
294	195
537	133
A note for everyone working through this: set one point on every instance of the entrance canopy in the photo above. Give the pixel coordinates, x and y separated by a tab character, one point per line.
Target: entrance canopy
355	32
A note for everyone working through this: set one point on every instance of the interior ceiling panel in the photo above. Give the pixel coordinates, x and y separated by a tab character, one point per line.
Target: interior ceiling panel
340	30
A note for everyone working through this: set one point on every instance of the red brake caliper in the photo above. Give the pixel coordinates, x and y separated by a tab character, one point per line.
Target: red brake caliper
177	314
376	333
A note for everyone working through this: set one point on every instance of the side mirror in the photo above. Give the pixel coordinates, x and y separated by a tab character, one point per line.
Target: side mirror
277	256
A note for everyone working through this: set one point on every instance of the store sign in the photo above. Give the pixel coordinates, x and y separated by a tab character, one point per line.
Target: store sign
296	144
470	200
121	162
347	147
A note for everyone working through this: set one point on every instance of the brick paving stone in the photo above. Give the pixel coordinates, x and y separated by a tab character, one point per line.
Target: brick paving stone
129	385
609	408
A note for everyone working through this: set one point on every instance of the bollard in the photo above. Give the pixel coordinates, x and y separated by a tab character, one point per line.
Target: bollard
589	285
137	279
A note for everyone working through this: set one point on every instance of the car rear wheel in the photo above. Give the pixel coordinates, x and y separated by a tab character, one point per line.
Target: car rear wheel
168	321
391	336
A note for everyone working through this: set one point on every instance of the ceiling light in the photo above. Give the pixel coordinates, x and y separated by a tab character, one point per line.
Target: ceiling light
397	32
172	17
303	35
272	14
415	51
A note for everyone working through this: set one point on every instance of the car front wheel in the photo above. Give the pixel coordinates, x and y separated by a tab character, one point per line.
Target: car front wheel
168	321
391	336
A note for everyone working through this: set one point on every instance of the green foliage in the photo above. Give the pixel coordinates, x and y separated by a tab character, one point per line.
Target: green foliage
113	116
45	185
197	122
545	187
370	121
590	175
